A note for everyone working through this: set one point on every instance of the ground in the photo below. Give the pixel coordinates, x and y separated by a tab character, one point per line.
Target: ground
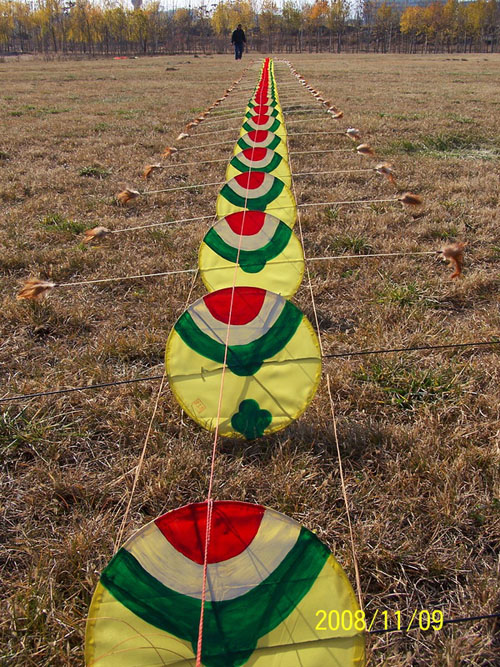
419	431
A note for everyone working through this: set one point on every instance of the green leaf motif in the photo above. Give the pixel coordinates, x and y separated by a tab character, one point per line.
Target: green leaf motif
251	421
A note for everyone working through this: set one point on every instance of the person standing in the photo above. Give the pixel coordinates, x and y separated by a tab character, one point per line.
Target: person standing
238	39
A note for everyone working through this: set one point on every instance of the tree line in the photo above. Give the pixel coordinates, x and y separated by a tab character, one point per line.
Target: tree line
108	28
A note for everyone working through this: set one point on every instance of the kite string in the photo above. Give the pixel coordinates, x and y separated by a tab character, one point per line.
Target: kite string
204	217
140	464
223	118
293	134
204	185
219	129
350	201
208	530
334	171
328	150
181	187
338	355
309	279
143	452
218	143
358	580
160	224
189	164
142	275
344	493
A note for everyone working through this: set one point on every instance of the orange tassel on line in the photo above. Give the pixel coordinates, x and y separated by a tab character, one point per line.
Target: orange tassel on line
336	115
168	151
454	254
35	289
353	133
149	169
410	199
365	149
385	169
127	195
94	234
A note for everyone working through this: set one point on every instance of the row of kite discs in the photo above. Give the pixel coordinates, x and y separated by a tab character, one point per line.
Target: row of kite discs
266	576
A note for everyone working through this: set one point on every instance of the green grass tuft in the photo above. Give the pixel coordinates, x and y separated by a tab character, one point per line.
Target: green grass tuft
442	233
406	387
331	214
406	294
357	245
95	171
463	120
128	114
443	142
55	221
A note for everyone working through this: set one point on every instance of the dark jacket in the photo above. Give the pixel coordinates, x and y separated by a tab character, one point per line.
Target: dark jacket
238	37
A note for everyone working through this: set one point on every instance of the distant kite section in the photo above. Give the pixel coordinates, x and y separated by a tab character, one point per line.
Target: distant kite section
243	359
224	583
266	579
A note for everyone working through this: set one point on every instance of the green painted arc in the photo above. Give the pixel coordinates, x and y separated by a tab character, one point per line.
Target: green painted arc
272	99
243	144
275	126
272	103
241	166
231	628
250	261
275	112
242	360
253	203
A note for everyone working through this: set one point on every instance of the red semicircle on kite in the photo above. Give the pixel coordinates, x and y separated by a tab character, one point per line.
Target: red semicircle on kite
234	526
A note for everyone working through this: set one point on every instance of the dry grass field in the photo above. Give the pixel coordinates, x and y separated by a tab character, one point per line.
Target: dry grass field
419	432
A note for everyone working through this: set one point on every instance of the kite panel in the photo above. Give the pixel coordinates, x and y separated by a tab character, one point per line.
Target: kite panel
262	139
257	191
267	577
260	159
270	103
266	250
264	110
268	123
273	362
